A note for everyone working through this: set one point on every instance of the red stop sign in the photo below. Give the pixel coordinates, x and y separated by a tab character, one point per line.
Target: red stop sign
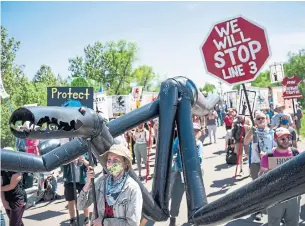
235	50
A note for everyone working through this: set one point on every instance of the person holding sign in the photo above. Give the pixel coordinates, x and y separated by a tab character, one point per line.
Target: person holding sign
288	210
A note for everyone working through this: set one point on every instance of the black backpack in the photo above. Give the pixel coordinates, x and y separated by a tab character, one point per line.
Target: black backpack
237	131
231	156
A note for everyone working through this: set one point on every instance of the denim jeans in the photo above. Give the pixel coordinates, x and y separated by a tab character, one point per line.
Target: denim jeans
2	220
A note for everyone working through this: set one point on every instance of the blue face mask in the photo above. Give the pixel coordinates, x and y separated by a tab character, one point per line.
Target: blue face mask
284	121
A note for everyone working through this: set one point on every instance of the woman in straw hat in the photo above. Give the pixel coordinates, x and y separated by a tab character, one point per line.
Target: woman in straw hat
118	196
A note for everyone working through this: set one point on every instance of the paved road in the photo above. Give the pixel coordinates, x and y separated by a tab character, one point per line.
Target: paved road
217	178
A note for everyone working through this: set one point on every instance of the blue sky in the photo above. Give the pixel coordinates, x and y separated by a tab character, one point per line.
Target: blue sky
168	34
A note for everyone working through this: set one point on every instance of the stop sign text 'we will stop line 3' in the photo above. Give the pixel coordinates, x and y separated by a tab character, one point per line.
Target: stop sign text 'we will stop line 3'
235	50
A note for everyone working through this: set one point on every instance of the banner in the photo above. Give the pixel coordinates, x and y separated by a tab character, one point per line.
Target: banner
262	99
148	97
243	107
100	104
64	96
291	89
232	99
277	96
276	72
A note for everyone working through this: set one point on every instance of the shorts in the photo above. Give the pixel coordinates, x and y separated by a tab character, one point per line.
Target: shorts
228	127
69	190
298	124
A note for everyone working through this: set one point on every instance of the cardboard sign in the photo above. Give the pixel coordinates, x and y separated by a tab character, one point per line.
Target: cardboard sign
243	107
137	92
291	89
120	105
61	96
235	50
274	162
277	96
262	100
276	72
232	99
101	104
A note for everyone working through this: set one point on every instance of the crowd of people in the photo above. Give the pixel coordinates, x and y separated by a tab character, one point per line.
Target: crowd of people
272	134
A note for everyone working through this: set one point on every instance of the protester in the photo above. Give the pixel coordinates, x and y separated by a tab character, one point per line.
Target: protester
80	166
141	137
241	127
284	122
288	210
275	120
298	119
177	183
228	120
118	196
13	196
211	125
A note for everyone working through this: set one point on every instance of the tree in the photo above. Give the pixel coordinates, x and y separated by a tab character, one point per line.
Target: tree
209	88
109	64
45	75
144	76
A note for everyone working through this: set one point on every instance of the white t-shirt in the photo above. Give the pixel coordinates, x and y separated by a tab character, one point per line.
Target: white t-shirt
141	137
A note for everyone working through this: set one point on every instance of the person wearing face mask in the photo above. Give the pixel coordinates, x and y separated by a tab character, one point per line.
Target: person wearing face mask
275	120
288	210
119	197
284	123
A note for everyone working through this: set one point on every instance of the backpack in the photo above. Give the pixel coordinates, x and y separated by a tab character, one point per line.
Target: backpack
237	131
231	157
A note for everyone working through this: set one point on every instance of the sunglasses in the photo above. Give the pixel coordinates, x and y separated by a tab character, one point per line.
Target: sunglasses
283	139
262	118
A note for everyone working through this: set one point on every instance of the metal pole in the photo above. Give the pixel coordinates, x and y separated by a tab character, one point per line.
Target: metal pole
248	103
294	113
74	188
92	180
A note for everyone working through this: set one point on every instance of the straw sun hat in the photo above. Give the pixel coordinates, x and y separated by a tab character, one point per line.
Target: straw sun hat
120	150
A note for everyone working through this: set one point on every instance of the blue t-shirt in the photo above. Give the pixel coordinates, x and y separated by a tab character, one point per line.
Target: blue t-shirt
177	160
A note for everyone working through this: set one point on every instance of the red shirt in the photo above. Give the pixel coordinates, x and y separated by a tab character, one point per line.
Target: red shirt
228	120
291	87
108	211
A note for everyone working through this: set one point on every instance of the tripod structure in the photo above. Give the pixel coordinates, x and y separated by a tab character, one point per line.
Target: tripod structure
178	100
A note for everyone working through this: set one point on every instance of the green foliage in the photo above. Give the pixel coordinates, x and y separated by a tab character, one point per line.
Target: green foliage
109	64
146	77
208	88
79	82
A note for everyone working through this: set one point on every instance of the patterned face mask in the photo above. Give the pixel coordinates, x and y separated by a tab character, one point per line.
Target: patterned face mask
115	169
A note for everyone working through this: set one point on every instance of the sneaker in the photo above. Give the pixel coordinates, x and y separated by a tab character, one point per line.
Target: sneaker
172	221
73	222
86	221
